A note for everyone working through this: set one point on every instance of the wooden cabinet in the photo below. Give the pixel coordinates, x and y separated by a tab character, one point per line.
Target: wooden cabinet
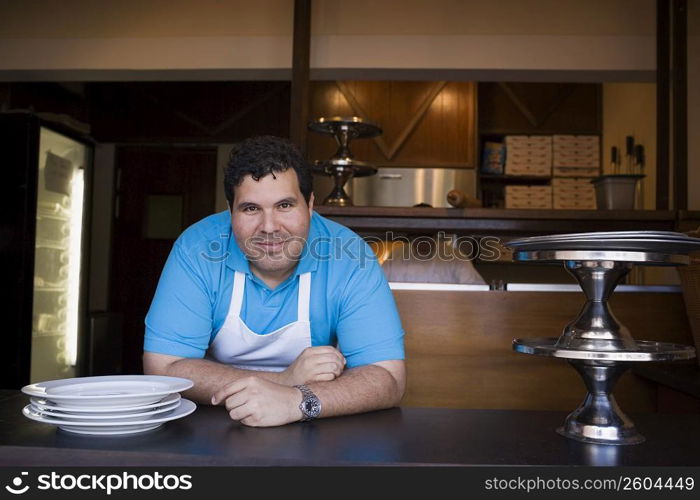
425	124
459	354
511	108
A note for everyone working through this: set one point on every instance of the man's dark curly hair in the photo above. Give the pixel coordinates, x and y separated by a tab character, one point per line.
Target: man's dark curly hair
262	156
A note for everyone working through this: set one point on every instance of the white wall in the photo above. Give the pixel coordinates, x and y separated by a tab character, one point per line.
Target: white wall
630	109
565	40
83	39
222	18
42	19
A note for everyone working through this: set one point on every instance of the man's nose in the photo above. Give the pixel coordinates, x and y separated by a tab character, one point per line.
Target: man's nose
269	222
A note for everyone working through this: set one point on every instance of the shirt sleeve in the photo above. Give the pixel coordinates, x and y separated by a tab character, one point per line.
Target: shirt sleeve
369	328
179	322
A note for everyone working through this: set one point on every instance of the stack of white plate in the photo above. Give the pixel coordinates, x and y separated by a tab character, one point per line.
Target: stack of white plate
110	405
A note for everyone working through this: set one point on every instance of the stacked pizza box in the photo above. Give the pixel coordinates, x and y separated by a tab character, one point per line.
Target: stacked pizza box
528	197
573	193
576	155
529	155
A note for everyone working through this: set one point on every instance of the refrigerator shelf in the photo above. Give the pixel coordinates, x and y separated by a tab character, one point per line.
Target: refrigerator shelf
52	216
53	210
48	333
52	244
50	288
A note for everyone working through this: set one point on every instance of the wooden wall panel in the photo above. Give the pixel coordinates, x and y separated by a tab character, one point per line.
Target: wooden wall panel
188	112
545	108
424	124
458	347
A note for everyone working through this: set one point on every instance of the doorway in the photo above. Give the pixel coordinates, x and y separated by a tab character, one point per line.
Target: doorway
160	192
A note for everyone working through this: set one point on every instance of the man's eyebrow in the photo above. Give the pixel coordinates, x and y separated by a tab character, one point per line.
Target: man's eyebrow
290	199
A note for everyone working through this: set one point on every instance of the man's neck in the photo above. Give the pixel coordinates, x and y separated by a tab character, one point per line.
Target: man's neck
272	279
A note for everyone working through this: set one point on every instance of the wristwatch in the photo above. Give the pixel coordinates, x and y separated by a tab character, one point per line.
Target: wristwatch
310	405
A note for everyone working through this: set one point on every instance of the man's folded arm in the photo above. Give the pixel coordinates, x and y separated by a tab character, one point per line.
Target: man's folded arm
261	403
208	376
319	363
364	388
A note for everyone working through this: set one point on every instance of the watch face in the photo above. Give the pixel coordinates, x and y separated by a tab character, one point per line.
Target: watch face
312	407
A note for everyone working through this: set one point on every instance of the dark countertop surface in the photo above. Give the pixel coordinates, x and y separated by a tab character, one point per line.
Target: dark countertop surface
499	213
486	221
400	436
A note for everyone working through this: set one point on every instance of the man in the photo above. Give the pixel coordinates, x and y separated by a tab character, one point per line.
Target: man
251	303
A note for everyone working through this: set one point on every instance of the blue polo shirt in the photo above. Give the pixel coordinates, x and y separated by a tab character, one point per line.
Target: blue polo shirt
351	303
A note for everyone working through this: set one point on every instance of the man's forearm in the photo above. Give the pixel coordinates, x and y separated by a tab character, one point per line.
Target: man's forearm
209	376
258	402
357	390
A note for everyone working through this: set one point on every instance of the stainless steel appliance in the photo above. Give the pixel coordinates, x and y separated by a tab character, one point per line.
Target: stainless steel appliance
407	187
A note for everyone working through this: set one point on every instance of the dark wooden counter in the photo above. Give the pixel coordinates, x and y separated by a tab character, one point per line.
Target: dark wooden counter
487	221
400	436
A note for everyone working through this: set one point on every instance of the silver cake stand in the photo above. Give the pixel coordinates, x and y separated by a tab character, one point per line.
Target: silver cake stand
342	166
596	344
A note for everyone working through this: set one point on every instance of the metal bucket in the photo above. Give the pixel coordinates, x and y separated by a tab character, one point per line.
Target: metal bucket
616	192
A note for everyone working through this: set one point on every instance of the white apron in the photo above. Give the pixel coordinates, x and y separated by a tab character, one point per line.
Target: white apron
237	345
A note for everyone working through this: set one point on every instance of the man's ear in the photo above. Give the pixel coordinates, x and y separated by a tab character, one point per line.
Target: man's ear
311	204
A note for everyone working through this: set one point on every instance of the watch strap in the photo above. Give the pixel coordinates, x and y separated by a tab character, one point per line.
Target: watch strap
310	405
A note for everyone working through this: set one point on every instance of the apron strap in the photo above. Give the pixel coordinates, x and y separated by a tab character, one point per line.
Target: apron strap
237	295
304	297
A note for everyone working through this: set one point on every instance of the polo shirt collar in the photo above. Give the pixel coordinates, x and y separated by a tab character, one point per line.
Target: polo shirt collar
237	260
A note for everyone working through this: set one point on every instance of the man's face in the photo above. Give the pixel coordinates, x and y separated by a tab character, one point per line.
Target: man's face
270	221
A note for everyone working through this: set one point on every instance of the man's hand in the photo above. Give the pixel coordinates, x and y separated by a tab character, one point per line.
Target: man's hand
258	402
314	364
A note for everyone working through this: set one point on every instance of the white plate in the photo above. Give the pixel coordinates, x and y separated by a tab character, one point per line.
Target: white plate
91	431
121	417
44	405
123	390
184	408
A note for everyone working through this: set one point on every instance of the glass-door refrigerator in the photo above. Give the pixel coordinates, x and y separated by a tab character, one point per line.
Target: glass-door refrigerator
46	171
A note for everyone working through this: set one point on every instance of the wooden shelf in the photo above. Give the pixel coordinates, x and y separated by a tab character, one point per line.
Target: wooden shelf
511	131
515	179
535	109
